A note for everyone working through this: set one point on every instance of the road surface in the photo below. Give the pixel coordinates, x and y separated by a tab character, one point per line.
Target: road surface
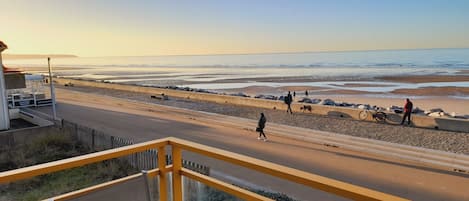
143	122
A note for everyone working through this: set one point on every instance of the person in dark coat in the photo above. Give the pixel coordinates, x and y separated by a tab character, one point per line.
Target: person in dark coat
306	92
407	111
288	101
260	127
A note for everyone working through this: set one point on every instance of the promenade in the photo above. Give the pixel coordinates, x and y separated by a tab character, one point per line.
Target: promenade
141	122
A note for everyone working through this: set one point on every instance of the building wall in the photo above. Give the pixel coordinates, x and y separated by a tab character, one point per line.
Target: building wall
15	81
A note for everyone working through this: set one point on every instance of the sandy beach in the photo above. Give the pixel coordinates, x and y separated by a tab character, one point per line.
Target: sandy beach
341	89
450	99
460	106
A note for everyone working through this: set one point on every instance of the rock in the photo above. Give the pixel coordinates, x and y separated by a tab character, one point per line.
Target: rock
395	109
202	91
281	98
260	96
240	94
364	106
417	110
327	102
437	114
343	104
434	110
268	97
305	100
453	114
315	100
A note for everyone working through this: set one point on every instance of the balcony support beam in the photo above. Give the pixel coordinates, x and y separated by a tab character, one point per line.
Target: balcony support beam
177	178
163	184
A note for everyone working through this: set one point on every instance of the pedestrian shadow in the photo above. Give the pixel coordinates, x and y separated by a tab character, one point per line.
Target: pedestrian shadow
393	118
339	115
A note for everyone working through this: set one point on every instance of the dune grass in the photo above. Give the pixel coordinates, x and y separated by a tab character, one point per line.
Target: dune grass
51	148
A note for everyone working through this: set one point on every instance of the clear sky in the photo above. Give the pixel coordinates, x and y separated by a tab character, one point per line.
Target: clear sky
151	27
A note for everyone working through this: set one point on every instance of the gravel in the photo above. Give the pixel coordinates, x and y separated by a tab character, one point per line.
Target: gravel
456	142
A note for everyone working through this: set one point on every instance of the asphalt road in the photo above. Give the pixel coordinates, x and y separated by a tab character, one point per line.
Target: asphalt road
143	122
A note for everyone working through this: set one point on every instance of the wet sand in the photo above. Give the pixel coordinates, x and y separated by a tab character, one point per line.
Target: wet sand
362	85
425	78
280	79
432	91
402	79
463	72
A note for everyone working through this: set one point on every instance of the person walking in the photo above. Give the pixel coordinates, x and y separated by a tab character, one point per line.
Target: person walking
407	111
260	127
306	92
294	93
288	101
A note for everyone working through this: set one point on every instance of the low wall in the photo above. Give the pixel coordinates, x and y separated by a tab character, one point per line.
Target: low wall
449	124
25	136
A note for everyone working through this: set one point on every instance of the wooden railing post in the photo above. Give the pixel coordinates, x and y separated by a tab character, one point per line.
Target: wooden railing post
163	181
177	178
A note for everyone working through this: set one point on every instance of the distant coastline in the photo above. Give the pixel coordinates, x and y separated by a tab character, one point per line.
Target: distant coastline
37	56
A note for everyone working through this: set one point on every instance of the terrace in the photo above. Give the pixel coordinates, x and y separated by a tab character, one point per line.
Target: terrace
178	172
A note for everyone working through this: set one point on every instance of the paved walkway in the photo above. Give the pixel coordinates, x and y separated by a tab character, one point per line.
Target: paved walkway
143	122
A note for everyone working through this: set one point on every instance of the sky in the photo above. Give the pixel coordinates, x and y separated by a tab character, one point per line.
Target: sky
94	28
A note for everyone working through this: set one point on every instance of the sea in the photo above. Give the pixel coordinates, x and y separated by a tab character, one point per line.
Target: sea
329	69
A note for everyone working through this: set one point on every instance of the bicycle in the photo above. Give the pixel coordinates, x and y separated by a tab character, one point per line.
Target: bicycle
377	116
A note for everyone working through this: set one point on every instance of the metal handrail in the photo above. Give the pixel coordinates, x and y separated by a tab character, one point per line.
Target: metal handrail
177	146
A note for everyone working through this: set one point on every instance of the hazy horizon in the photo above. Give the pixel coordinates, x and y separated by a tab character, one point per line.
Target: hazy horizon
65	55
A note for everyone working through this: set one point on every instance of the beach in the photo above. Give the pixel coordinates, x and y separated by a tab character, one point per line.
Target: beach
435	78
434	139
450	99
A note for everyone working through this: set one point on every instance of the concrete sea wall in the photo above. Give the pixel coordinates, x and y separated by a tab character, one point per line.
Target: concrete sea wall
450	124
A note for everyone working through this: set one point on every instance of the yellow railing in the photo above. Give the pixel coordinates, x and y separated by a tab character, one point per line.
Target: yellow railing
177	146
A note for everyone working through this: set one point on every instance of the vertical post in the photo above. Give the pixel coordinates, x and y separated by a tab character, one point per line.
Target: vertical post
112	142
162	166
92	140
52	91
4	112
177	178
147	185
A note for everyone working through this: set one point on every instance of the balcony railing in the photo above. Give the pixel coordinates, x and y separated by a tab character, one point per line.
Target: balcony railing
177	146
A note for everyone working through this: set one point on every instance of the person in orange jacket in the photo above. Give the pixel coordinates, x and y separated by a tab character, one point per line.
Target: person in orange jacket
407	111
